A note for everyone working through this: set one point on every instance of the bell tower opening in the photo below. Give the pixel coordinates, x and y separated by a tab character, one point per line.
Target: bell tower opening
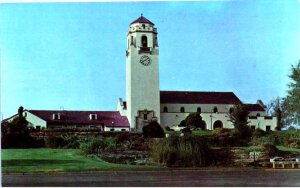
144	42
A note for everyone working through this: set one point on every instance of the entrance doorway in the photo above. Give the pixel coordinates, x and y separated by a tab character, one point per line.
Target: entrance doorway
218	124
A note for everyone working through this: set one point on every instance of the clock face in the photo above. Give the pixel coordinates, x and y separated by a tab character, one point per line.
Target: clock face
145	60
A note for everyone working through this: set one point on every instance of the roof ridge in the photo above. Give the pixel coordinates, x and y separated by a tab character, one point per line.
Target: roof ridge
196	91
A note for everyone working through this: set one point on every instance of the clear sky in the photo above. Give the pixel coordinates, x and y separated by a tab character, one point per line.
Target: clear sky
72	55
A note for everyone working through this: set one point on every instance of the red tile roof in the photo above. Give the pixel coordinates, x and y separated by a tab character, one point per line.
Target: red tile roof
142	19
193	97
254	107
108	118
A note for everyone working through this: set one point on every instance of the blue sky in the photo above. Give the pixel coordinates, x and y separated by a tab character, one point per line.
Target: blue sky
72	55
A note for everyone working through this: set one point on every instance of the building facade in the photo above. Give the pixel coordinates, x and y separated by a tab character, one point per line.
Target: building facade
144	100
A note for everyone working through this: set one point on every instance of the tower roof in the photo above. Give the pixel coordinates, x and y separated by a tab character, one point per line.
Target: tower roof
142	19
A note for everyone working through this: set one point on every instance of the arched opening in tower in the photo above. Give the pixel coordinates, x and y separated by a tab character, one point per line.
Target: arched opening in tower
144	41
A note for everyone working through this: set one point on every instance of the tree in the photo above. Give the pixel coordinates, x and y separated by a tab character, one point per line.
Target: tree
182	124
153	130
279	119
16	133
194	120
239	118
293	98
279	105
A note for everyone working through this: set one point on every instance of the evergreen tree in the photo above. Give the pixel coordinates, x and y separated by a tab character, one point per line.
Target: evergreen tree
239	118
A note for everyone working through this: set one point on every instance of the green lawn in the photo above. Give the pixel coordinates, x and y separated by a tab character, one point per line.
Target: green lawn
194	132
201	132
283	148
260	148
56	160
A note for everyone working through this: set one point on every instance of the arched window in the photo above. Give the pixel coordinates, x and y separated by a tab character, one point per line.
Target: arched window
182	109
199	110
230	110
215	109
131	43
165	109
258	114
144	41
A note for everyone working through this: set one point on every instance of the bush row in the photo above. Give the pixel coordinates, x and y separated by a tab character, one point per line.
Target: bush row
180	151
284	138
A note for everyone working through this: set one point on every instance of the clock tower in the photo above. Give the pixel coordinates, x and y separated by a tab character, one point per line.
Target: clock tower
142	83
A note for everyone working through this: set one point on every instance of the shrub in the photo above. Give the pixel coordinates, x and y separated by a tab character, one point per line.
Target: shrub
270	150
91	145
97	145
186	131
222	137
167	128
180	151
153	130
220	131
55	142
292	142
71	141
259	133
291	128
63	141
277	138
265	140
124	136
140	144
110	144
223	157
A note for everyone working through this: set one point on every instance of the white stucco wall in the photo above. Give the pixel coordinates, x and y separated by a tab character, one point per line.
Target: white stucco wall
34	120
205	108
262	123
173	119
120	108
142	82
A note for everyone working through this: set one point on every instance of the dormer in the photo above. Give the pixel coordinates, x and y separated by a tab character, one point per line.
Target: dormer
56	116
93	116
